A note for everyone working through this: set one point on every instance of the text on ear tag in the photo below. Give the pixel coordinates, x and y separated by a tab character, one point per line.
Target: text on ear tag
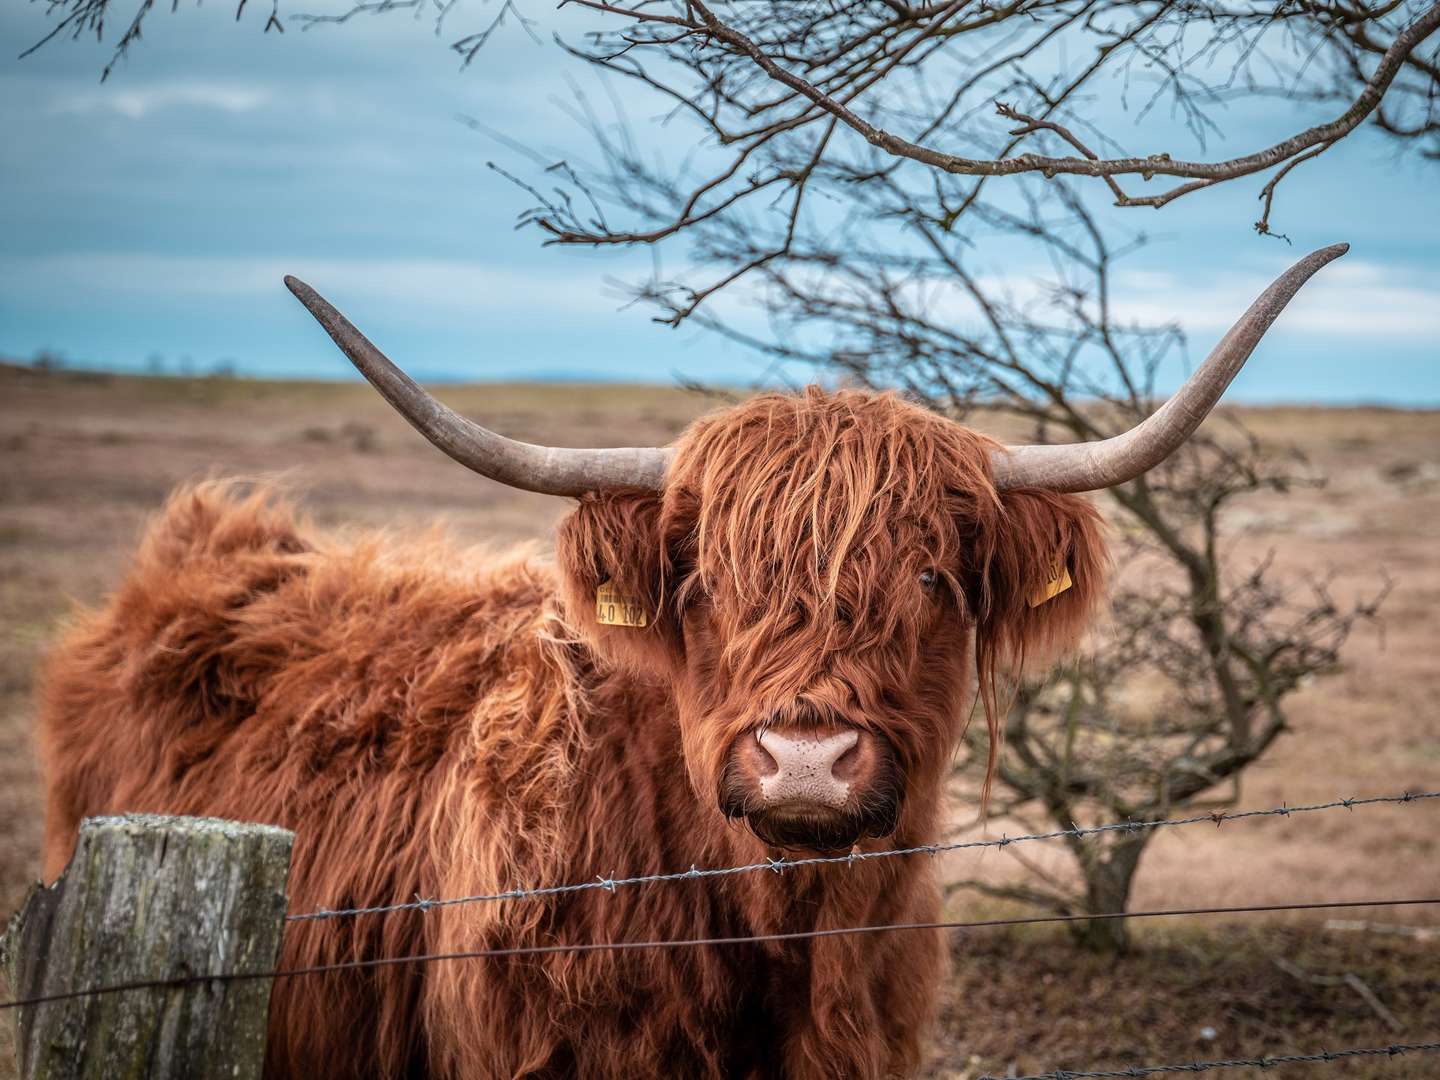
1058	583
614	608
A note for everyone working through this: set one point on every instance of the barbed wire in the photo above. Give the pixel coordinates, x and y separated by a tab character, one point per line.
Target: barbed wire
1393	1050
610	884
666	943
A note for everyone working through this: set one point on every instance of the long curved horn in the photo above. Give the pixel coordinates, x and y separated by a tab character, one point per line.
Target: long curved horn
1095	465
550	470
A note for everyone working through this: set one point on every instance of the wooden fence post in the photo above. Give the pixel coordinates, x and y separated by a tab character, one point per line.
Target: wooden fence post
150	897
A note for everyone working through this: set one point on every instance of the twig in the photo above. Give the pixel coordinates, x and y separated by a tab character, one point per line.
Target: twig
1350	979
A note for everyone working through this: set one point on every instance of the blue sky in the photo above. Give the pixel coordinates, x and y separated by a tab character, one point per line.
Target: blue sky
156	214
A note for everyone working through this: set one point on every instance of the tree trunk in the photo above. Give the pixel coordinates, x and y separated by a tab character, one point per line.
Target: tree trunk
1108	879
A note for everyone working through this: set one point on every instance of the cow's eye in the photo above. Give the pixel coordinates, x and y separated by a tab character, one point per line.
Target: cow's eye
928	579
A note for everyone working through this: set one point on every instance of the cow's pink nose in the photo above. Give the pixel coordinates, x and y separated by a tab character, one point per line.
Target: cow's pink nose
820	787
808	767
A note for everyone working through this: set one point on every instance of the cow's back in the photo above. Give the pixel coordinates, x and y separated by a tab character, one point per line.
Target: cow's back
355	694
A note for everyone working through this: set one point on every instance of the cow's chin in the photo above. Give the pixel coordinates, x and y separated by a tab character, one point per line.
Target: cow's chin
815	829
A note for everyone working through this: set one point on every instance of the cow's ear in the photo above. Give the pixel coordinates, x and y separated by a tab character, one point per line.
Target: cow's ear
1042	576
614	575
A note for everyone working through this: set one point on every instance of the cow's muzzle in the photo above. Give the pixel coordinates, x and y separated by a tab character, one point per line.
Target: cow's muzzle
815	788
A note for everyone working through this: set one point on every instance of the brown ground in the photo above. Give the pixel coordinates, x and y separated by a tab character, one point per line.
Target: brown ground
84	459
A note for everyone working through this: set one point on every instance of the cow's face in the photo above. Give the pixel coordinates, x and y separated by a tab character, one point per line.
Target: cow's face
814	582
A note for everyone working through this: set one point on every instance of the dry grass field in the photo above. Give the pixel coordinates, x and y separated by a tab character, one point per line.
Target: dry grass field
84	459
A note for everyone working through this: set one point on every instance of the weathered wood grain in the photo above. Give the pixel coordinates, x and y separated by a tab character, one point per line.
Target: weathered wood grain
149	897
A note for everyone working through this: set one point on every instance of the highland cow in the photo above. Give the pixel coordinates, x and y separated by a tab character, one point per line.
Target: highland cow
762	641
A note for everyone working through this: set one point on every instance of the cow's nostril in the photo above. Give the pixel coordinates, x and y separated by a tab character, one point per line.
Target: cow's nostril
848	764
765	764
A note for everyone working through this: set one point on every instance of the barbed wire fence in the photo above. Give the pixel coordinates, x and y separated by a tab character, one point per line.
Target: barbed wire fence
778	866
610	884
684	943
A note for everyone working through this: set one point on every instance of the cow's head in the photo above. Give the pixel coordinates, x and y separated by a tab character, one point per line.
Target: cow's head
812	575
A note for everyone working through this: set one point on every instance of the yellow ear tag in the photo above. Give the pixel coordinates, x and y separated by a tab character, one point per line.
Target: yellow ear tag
1058	583
614	608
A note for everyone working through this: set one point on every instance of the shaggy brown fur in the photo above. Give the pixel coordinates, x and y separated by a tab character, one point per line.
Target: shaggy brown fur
433	724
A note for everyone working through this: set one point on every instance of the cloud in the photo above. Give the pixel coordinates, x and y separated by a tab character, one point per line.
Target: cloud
1351	298
440	286
137	103
1348	299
